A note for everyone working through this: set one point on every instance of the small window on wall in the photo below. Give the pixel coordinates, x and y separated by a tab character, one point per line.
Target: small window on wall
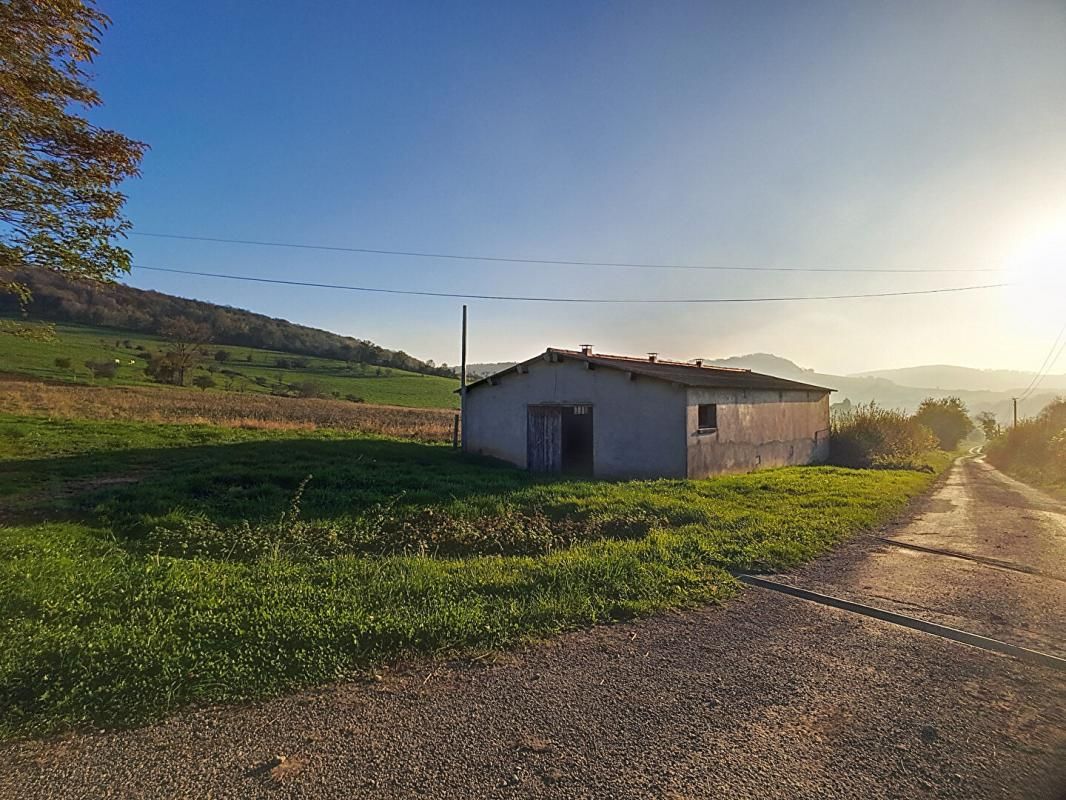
707	418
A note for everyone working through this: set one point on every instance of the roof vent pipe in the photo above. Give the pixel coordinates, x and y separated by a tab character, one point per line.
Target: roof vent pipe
653	357
586	349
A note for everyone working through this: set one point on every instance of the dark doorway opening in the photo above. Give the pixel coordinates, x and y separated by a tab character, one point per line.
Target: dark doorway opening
577	440
559	439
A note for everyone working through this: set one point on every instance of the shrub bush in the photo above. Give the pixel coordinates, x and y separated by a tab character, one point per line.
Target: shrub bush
947	418
1034	449
309	389
870	436
102	369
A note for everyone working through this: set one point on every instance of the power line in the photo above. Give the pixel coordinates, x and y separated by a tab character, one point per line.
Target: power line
536	299
555	262
1050	360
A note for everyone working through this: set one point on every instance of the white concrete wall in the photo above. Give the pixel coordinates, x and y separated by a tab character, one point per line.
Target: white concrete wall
756	429
638	425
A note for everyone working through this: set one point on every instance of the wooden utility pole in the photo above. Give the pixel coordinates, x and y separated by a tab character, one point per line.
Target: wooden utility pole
1015	399
462	386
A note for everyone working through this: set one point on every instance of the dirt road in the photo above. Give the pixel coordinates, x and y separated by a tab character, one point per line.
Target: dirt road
769	697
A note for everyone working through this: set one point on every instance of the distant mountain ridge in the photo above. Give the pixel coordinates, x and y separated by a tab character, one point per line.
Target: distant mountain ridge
946	376
878	387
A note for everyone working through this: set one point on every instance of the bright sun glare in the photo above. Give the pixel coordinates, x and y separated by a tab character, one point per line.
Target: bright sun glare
1039	271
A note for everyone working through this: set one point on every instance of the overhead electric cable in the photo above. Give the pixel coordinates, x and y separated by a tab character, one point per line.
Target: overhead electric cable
538	299
1049	363
559	262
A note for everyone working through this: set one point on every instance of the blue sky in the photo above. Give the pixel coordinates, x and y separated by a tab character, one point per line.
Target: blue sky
823	134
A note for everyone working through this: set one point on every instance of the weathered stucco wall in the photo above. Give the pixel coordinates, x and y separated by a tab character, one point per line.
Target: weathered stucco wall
638	425
757	429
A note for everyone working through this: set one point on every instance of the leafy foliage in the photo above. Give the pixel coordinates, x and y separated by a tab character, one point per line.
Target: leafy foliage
59	203
186	342
988	424
947	418
102	369
872	436
1035	449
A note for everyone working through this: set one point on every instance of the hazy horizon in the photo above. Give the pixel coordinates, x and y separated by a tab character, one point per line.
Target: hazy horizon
907	136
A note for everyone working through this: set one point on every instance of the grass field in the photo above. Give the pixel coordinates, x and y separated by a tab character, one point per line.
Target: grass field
257	369
144	567
230	409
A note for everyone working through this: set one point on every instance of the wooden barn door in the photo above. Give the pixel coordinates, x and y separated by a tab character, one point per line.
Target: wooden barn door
544	439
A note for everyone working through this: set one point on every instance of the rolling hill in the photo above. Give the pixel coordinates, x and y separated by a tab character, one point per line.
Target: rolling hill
246	369
251	370
56	298
945	376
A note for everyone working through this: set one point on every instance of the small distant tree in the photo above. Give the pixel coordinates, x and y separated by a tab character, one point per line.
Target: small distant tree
102	369
222	356
66	363
231	376
309	389
947	418
203	382
988	424
161	368
187	343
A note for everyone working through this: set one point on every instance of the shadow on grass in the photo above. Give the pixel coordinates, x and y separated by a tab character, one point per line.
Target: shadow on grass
254	481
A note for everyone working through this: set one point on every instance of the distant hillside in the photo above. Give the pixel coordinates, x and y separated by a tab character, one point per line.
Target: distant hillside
66	358
115	305
874	387
945	376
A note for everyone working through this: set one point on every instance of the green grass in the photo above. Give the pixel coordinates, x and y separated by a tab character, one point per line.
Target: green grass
80	343
392	548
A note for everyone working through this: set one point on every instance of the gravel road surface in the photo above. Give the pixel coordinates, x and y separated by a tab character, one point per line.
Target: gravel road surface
767	697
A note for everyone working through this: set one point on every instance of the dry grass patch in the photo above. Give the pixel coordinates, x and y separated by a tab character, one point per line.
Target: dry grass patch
230	409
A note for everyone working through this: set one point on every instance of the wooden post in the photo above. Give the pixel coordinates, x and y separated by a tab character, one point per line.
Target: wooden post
461	420
1015	399
455	432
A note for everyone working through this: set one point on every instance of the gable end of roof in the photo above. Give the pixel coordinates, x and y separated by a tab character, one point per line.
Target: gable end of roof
676	372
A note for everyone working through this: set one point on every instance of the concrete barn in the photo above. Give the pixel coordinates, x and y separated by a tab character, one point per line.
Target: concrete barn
607	416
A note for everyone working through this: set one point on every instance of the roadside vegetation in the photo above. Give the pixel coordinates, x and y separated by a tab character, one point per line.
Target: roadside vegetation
1035	450
88	355
870	436
144	567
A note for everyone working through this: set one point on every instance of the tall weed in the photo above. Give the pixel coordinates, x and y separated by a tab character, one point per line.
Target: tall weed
871	436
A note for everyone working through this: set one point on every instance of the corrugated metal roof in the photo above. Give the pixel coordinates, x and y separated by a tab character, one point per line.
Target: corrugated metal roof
684	373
